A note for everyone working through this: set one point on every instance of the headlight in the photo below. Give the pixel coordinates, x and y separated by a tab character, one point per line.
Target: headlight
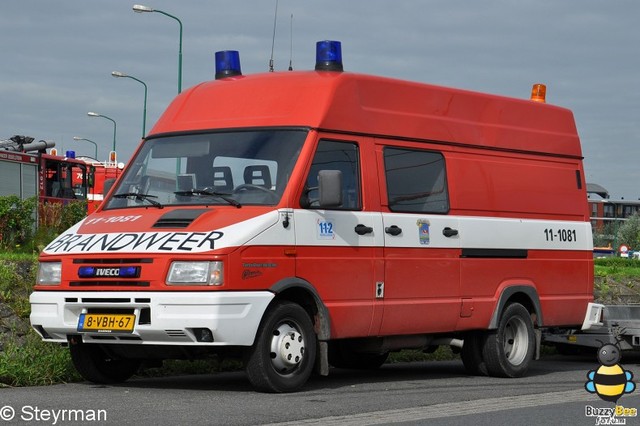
49	273
195	273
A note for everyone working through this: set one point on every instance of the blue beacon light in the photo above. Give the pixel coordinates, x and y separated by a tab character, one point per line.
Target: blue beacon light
329	56
227	64
87	272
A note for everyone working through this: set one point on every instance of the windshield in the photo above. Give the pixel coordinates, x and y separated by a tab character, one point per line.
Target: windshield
226	168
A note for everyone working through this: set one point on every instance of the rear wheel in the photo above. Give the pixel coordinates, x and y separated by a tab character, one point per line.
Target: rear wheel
509	350
283	356
471	354
96	366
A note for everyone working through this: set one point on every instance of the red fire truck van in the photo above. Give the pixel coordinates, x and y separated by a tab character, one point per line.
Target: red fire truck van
307	219
26	170
100	176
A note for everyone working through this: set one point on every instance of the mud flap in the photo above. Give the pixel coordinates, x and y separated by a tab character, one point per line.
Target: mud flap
538	335
322	360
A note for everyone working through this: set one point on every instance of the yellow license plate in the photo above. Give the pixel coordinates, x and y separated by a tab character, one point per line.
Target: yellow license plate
106	323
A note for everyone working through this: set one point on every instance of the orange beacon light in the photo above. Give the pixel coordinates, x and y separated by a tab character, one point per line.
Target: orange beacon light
539	93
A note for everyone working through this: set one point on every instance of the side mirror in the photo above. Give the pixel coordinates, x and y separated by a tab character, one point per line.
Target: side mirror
330	188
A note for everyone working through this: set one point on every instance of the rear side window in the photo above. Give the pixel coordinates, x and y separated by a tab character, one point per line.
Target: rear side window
416	181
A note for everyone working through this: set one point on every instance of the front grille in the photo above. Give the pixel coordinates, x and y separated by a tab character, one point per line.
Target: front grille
87	277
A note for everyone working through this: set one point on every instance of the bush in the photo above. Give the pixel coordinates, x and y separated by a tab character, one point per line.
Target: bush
605	236
18	232
612	266
629	232
17	275
17	219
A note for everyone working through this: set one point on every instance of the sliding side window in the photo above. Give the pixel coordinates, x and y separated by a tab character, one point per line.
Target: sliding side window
336	158
416	181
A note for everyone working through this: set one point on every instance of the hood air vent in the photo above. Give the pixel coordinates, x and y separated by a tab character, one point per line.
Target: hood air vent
178	218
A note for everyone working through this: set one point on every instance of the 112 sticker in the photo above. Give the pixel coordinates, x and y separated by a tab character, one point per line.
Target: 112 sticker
325	230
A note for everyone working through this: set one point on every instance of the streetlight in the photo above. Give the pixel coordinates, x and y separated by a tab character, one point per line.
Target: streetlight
119	74
138	8
78	138
95	114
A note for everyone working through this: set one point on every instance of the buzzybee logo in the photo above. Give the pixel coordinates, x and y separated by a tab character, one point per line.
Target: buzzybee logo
610	381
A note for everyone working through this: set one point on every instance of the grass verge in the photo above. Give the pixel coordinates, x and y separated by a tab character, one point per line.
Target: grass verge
31	362
24	359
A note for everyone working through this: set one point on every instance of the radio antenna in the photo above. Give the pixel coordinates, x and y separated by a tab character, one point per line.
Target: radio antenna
291	46
273	39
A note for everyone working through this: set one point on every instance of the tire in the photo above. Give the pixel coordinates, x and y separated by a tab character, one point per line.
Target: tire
509	350
283	355
342	356
96	366
471	354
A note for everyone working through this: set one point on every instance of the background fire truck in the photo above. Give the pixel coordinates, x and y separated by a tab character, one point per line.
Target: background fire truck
26	170
101	175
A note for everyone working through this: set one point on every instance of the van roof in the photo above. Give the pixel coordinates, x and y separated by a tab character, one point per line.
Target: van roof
379	106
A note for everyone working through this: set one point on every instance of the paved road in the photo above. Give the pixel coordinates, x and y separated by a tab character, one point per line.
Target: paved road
408	393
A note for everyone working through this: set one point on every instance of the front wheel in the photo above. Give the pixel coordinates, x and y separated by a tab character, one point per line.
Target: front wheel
283	355
96	366
509	350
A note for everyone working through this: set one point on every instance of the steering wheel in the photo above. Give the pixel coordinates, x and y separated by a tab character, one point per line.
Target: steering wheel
249	187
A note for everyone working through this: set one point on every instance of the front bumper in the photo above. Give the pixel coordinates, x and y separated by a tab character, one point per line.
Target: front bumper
161	318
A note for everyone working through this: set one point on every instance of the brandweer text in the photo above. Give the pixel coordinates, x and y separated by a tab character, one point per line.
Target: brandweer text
146	241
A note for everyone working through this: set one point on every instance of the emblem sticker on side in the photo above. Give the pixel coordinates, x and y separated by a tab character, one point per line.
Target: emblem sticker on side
423	231
325	229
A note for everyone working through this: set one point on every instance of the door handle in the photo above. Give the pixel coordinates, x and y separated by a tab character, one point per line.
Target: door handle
363	229
448	232
393	230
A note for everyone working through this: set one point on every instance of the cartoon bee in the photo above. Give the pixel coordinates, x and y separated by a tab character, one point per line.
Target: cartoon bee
610	381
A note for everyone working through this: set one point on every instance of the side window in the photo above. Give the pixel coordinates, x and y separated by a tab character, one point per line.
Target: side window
340	156
416	181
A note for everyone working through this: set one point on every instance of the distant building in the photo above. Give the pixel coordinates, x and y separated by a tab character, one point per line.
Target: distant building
604	210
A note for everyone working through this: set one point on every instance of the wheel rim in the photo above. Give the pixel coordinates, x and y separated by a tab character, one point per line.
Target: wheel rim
516	341
287	348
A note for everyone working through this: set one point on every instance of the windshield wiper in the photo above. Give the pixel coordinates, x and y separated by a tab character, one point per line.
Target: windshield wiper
140	197
221	195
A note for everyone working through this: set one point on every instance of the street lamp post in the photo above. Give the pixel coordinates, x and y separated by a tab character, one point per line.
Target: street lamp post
119	74
94	114
78	138
138	8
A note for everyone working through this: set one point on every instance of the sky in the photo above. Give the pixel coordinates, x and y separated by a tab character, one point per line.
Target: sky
58	57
